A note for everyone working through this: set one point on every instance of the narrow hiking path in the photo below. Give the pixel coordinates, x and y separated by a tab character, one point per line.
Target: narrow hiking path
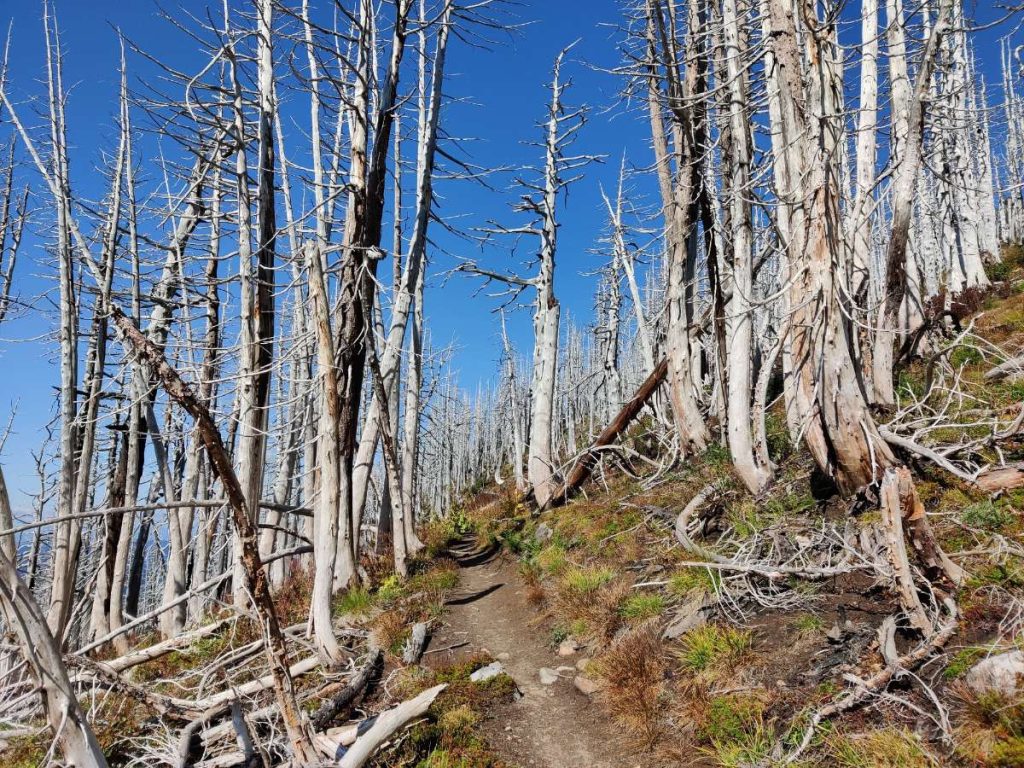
548	726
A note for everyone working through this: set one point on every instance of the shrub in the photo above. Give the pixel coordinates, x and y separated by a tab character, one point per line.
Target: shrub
808	623
986	515
999	271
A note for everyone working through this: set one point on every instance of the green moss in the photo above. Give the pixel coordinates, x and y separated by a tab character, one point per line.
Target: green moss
749	517
1002	574
640	607
789	503
962	661
1007	754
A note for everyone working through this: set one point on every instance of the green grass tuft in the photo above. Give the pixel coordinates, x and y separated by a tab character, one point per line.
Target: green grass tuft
640	607
712	647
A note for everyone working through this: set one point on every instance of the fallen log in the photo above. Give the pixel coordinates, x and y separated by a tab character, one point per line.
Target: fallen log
1015	365
1001	478
896	551
331	708
586	462
366	737
144	655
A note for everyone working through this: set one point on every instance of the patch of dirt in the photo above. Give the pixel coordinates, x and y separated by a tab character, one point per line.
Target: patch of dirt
549	726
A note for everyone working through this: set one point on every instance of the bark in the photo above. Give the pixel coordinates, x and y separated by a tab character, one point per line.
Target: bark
904	187
823	394
257	293
739	322
681	211
256	582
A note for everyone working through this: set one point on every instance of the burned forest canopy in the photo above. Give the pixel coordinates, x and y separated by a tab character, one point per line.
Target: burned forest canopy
708	312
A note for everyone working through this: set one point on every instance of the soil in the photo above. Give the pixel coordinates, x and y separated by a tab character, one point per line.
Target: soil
548	726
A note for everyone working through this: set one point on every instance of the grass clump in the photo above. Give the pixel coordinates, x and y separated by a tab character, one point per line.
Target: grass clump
589	599
586	581
633	672
734	728
691	580
986	515
808	623
885	748
712	648
552	559
729	718
642	607
354	602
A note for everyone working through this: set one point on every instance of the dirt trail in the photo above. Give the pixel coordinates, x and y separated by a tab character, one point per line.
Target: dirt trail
550	726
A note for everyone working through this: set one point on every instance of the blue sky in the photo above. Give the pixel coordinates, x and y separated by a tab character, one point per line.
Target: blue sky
500	95
497	97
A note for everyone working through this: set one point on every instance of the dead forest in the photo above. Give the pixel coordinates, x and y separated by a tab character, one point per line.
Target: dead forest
792	429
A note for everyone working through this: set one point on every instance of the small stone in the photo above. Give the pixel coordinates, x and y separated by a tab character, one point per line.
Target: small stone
504	656
543	533
586	686
547	676
568	647
802	541
582	664
561	670
997	674
780	683
835	634
486	673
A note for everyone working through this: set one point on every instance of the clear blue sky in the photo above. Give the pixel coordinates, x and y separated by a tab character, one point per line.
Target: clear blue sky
500	94
505	95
